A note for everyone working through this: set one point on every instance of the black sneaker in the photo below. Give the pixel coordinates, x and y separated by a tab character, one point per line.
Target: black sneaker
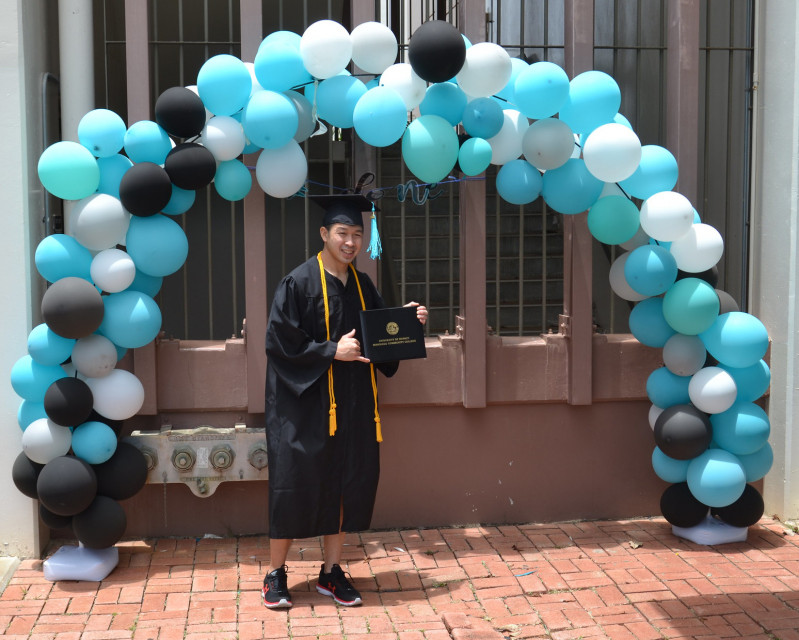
275	593
335	584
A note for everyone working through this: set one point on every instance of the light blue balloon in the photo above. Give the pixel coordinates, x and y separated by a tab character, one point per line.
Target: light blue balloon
446	100
30	380
102	132
112	169
29	411
132	319
94	442
742	429
68	170
278	67
690	306
288	38
669	469
620	119
61	256
613	219
571	188
594	99
474	156
541	90
146	141
736	339
648	325
157	244
336	98
47	347
224	84
180	201
150	285
752	382
757	464
430	148
650	270
665	389
716	478
483	118
518	182
270	120
657	171
232	180
507	95
380	117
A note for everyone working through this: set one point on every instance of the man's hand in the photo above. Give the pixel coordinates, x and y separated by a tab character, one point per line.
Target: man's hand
421	311
349	349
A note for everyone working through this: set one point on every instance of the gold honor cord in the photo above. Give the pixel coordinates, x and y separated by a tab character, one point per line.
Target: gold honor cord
331	394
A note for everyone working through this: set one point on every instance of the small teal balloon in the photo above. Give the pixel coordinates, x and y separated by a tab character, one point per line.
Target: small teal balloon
47	347
132	319
665	389
224	84
146	141
736	339
61	256
758	464
112	169
742	429
278	66
594	99
613	219
474	156
751	382
29	411
430	148
650	270
669	469
648	325
30	380
518	182
180	201
150	285
157	244
541	90
94	442
716	478
444	99
691	306
102	132
69	171
571	188
232	180
270	120
483	118
657	171
336	98
380	116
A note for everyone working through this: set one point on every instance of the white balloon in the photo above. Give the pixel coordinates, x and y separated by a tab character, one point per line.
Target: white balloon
699	249
307	122
654	412
403	79
43	440
282	172
666	215
486	70
619	283
325	49
374	47
612	152
712	390
112	270
94	356
98	222
548	144
507	144
118	395
224	137
684	355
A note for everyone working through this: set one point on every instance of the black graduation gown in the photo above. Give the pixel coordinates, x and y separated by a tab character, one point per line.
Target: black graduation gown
312	474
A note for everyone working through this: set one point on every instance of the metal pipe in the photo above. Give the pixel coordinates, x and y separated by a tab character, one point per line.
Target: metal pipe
76	52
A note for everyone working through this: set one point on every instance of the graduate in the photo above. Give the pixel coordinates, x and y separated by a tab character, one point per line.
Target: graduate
322	421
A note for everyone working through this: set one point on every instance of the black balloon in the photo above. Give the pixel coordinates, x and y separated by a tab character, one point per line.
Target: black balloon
25	473
436	51
726	302
145	189
72	307
180	112
190	166
52	520
123	475
745	511
711	276
68	402
67	485
680	508
101	524
683	432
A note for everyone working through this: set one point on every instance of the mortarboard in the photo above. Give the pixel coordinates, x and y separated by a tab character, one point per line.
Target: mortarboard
348	208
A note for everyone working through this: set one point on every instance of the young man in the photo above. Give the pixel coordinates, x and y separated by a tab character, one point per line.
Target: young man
322	423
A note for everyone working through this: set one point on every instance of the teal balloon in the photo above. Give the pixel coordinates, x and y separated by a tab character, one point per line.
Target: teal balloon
69	171
102	132
648	325
669	469
157	244
691	306
736	339
61	256
483	118
657	171
278	66
541	90
665	389
132	319
742	429
571	188
594	99
650	270
47	347
613	219
752	382
30	380
270	120
336	98
29	411
94	442
150	285
758	464
446	100
716	478
518	182
224	84
380	116
474	156
112	169
430	148
146	141
232	180
180	201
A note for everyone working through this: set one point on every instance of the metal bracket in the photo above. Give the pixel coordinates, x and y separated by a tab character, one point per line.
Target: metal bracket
460	326
565	325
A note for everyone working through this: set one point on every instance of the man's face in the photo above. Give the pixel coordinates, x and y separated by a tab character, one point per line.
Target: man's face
342	241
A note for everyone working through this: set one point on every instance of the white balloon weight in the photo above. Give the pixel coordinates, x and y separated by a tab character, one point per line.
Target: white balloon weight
654	412
618	282
684	355
113	270
612	152
224	137
325	49
666	216
374	47
486	70
43	440
98	222
118	395
403	79
282	172
507	144
548	144
699	249
712	390
94	356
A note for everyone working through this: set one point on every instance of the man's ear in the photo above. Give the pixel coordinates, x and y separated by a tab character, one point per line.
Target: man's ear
323	231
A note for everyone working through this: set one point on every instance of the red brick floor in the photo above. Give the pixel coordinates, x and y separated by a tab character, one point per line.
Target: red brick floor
608	579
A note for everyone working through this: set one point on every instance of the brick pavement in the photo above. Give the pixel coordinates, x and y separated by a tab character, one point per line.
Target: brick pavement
628	579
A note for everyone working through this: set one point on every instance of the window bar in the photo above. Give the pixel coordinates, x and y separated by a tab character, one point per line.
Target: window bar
521	270
497	263
452	222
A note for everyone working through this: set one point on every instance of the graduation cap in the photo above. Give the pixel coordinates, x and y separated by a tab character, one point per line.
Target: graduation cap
348	208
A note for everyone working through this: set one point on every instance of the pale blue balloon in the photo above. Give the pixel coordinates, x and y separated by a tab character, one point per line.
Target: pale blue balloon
736	339
282	37
112	169
541	90
270	120
571	188
336	98
648	325
180	201
232	180
716	478
518	182
507	95
474	156
278	67
757	464
430	148
742	429
102	132
752	382
61	256
29	411
665	389
94	442
47	347
669	469
224	84
146	141
150	285
483	118
132	319
446	100
30	380
650	270
380	116
157	244
68	170
657	171
594	99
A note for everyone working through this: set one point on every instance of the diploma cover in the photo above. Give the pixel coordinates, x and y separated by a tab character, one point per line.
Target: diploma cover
390	334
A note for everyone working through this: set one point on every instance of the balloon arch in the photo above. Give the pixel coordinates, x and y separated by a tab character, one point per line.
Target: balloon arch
558	138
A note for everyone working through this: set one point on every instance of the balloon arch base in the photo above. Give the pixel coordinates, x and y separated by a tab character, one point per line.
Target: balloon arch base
81	563
711	531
